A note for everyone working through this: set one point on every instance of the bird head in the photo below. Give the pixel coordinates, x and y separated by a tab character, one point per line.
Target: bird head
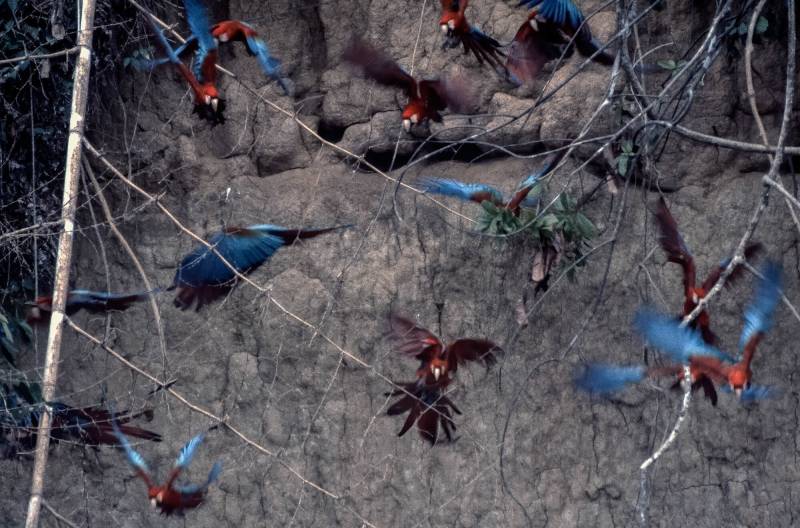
533	22
410	118
438	368
156	496
738	380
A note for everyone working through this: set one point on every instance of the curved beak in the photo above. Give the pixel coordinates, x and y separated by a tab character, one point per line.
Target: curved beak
738	392
443	27
407	125
436	373
214	104
153	503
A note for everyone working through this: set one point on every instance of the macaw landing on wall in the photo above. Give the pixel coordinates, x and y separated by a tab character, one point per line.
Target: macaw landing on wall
203	276
678	252
458	31
170	498
427	407
426	98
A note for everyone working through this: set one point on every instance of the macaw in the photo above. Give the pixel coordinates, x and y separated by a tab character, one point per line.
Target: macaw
549	28
92	426
438	363
203	277
170	498
678	252
207	102
427	98
429	408
686	346
604	379
39	311
457	31
479	192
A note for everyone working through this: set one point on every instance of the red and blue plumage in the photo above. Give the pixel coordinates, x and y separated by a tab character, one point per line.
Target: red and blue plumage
457	30
687	347
207	102
552	28
91	301
169	498
426	98
480	192
203	277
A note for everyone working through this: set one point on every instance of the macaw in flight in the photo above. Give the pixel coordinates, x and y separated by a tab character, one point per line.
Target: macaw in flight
686	346
678	252
479	192
457	31
552	26
203	277
427	98
203	80
426	398
92	426
169	498
40	310
233	31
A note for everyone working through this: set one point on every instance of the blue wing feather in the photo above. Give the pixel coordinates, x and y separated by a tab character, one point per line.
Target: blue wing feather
172	56
679	343
758	316
213	475
270	65
134	458
244	250
457	189
187	452
598	378
754	392
201	30
562	12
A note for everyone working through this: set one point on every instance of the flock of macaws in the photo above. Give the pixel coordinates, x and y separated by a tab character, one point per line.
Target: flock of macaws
206	274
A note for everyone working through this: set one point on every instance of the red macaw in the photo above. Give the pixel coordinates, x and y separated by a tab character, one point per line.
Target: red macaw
457	31
92	426
94	302
169	498
427	98
549	28
678	252
208	103
429	408
687	347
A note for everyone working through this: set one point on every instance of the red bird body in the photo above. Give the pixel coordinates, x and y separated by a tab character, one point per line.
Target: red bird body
92	426
427	98
457	30
93	302
678	252
425	399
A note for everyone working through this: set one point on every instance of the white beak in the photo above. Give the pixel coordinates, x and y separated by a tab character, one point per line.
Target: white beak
444	28
738	392
407	125
534	24
451	24
215	104
436	373
153	503
223	37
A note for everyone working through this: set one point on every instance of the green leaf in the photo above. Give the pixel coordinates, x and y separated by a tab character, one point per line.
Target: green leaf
489	207
622	165
627	147
668	64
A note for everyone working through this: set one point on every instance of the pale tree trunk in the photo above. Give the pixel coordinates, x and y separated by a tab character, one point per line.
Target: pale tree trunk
80	93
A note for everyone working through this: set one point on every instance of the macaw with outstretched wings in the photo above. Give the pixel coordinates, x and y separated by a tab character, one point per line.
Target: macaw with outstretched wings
170	498
203	276
426	98
458	31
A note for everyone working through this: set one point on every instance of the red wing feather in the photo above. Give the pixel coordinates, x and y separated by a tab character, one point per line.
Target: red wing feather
673	245
711	367
428	425
453	93
465	350
413	340
379	67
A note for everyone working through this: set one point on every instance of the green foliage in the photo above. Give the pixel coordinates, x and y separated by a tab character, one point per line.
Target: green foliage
498	220
624	159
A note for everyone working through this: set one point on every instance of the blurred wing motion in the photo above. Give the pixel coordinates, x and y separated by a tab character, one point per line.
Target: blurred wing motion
562	12
758	317
475	192
379	67
673	245
428	407
598	378
193	489
749	252
134	458
91	301
679	343
413	340
206	58
755	393
203	276
522	194
464	350
536	43
93	426
270	65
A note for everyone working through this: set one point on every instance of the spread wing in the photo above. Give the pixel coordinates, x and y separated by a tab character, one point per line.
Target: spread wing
102	301
464	350
523	194
758	317
598	378
134	458
206	57
213	475
379	67
413	340
270	65
475	192
452	92
563	12
679	343
749	252
673	245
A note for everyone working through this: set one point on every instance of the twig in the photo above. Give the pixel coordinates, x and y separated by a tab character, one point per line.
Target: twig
58	515
80	93
42	56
